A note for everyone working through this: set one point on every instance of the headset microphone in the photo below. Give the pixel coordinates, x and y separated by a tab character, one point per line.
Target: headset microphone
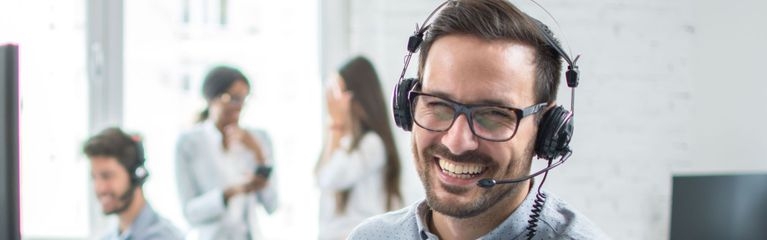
488	182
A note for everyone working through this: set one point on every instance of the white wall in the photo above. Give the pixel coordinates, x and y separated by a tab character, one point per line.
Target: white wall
729	83
668	87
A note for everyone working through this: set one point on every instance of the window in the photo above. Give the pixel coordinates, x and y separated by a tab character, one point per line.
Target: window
54	115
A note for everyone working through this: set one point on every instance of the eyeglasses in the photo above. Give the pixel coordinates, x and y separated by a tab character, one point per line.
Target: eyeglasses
489	122
233	99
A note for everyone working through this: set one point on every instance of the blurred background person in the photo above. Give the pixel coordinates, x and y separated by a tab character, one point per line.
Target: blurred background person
359	170
117	169
222	169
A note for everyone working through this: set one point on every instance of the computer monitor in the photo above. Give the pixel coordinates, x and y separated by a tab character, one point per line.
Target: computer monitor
9	142
719	207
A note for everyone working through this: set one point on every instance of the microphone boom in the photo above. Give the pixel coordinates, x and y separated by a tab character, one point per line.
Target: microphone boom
488	183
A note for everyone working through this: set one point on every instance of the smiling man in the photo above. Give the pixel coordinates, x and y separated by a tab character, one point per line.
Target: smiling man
117	170
488	78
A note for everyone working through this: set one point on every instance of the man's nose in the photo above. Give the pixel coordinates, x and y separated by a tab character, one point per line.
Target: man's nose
99	186
459	138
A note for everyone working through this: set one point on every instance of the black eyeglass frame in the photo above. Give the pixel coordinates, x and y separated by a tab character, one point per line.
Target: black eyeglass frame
232	100
467	110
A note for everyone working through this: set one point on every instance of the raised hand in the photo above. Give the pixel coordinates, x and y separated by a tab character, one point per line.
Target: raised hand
338	104
234	133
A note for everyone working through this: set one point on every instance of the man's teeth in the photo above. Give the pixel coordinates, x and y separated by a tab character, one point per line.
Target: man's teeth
463	170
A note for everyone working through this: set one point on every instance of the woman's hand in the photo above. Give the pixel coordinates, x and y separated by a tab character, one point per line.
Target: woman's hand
234	133
254	183
338	104
340	124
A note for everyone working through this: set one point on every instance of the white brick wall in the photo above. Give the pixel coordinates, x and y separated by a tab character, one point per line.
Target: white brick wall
668	86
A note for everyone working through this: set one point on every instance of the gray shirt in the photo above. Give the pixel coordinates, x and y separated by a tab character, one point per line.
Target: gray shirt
148	225
557	221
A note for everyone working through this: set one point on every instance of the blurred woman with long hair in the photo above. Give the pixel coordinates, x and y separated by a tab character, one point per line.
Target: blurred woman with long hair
359	169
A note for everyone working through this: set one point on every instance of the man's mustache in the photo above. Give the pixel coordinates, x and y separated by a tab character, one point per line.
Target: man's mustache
472	156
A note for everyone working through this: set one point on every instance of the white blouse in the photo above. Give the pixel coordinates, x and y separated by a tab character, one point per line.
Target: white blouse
204	169
361	171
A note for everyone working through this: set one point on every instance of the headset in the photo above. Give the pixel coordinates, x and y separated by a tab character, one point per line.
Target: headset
138	173
556	125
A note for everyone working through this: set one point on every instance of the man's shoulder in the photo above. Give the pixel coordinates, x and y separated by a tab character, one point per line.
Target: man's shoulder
155	226
164	232
111	232
160	229
399	224
565	222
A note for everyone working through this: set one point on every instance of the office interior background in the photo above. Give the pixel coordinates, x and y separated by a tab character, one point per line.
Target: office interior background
668	88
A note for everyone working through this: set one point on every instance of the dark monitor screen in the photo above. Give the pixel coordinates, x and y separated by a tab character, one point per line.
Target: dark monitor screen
9	142
719	207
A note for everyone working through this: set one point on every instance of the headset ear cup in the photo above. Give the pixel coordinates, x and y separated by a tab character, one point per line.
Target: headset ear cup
554	133
139	174
401	104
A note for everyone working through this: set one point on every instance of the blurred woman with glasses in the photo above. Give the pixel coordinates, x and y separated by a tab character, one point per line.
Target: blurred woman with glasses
359	170
222	169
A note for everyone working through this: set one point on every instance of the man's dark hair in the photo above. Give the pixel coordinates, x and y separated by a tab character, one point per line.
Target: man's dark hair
498	20
113	142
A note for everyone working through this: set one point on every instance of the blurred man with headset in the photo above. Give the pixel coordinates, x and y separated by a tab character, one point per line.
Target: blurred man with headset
117	170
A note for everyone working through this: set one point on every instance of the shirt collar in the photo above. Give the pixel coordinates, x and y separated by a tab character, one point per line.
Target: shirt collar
422	214
144	220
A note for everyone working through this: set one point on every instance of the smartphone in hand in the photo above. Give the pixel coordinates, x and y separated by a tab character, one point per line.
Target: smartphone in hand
263	171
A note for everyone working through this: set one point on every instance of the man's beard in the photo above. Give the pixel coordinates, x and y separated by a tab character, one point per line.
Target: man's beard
483	202
126	199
